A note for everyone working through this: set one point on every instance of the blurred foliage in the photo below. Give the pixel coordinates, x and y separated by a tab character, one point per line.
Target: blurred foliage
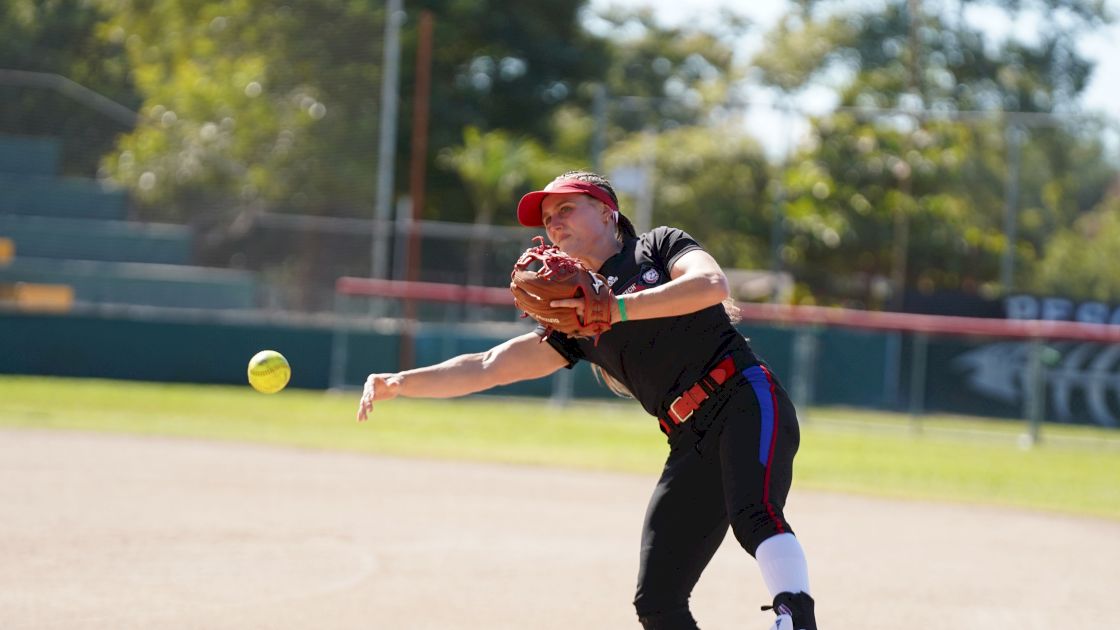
661	77
244	105
495	167
1079	260
710	181
272	106
496	65
876	173
274	103
504	64
57	37
847	191
665	113
934	59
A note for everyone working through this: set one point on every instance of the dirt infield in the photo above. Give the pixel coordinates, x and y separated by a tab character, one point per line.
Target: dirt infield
113	532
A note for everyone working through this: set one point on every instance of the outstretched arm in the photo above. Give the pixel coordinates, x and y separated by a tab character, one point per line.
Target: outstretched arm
519	359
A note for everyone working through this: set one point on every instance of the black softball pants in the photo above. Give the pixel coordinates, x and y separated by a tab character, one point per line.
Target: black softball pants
731	465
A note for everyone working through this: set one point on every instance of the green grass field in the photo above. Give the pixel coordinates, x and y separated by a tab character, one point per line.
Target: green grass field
1075	470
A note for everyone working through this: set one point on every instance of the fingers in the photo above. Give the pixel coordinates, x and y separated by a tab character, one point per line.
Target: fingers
366	403
522	298
567	303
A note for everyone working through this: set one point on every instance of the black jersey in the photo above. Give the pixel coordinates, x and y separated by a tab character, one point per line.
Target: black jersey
656	359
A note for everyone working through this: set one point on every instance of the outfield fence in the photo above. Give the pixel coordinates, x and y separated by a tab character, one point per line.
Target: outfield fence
1036	370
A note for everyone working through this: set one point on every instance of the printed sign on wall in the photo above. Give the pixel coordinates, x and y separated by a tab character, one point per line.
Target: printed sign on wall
1082	380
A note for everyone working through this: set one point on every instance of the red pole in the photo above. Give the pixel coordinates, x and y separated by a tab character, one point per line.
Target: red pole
417	173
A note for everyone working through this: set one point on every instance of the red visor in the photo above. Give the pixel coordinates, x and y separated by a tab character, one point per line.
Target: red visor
529	208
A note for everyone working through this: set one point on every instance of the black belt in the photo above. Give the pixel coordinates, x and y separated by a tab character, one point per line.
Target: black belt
683	406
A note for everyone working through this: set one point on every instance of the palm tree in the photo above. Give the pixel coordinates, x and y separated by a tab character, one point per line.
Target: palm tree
494	168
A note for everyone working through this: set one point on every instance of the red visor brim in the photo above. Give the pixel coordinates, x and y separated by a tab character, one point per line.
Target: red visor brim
529	208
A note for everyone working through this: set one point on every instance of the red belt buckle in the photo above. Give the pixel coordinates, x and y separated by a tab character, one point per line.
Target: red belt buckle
675	415
694	396
718	374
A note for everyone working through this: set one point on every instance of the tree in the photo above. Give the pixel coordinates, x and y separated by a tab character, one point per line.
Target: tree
259	104
902	56
652	77
59	37
272	104
847	192
667	101
497	65
494	167
710	181
505	64
666	77
915	196
1077	263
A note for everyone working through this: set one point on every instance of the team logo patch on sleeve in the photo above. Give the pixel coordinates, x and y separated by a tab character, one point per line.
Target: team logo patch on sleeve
650	276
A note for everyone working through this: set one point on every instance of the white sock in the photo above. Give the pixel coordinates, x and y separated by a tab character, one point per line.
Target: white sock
782	562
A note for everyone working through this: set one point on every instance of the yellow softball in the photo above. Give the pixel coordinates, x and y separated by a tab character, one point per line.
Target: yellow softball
269	371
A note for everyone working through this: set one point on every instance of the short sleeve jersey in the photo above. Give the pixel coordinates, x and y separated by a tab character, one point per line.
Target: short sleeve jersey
659	358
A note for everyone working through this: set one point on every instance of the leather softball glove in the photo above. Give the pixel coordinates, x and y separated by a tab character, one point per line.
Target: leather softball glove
543	274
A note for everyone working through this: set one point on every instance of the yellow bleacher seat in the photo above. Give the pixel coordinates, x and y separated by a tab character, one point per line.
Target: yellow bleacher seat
7	250
30	296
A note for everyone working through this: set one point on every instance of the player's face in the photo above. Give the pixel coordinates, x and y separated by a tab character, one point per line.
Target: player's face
574	221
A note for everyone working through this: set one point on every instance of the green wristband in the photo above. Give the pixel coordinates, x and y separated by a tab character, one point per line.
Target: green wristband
621	310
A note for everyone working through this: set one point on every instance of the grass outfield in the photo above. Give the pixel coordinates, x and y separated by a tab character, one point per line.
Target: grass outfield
1075	470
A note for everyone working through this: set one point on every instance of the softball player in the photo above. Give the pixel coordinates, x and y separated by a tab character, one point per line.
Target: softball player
731	427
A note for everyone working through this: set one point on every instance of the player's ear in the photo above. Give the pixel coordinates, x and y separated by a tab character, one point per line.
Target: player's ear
605	211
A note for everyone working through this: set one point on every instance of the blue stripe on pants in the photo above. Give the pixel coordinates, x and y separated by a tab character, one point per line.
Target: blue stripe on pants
760	382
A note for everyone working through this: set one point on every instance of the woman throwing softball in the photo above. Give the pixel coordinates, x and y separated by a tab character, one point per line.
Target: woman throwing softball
671	345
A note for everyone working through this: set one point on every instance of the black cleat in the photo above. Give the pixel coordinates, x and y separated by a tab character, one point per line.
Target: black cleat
794	610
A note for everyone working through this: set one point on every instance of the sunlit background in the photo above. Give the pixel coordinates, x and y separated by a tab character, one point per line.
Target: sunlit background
293	159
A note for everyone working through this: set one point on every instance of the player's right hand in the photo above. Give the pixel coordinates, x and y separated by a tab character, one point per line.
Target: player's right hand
377	387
